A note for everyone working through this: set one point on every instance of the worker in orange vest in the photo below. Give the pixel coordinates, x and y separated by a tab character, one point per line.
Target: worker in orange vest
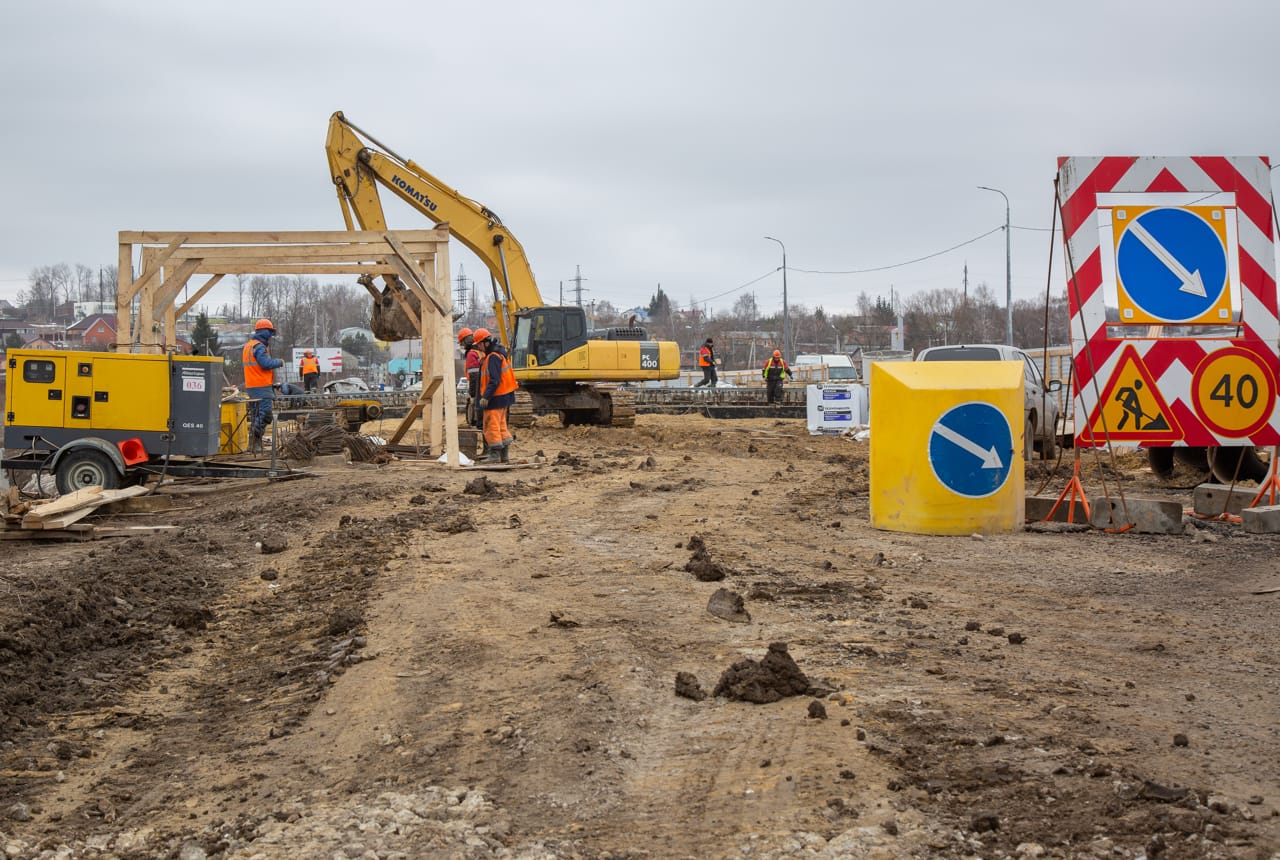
707	361
309	370
473	358
258	376
774	369
497	393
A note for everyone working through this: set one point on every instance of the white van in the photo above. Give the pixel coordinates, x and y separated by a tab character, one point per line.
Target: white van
839	367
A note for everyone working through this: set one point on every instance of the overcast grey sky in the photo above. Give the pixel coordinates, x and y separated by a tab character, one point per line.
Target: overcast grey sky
648	142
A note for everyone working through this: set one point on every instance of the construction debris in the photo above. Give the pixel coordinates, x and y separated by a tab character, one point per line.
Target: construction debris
59	519
321	434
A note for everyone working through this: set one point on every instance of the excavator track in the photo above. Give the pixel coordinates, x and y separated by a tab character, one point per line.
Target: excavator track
521	412
624	408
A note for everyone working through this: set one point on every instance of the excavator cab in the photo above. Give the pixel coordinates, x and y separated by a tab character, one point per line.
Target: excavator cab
544	335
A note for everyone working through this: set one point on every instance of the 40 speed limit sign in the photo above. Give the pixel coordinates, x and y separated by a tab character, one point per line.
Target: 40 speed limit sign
1233	392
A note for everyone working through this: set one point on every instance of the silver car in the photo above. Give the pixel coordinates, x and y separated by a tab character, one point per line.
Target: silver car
1040	399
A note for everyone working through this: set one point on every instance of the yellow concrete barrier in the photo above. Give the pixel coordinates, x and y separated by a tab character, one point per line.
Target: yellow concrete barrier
946	447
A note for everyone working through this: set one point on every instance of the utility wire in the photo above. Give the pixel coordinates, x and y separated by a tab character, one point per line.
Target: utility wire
848	271
676	307
900	265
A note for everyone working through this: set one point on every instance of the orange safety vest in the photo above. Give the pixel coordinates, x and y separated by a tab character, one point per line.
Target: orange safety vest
254	376
704	357
310	365
506	379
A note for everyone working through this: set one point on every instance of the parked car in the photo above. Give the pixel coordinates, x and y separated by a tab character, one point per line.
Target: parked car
350	385
840	368
1040	405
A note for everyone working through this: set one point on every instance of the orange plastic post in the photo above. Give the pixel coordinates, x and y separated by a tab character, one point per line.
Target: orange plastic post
1076	491
1271	484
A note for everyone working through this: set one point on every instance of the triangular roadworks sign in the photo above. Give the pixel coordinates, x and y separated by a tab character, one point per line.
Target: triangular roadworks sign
1132	408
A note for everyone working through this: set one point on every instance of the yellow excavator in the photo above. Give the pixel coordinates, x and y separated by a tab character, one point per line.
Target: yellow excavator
560	363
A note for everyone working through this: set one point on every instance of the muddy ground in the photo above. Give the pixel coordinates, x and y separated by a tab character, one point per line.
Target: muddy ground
471	665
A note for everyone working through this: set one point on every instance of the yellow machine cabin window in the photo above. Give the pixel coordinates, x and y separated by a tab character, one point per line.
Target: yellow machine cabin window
544	335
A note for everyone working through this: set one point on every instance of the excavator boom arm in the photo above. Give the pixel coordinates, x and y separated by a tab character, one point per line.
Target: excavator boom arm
358	169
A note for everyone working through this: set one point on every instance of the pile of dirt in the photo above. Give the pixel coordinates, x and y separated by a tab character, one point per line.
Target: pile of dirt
772	678
700	563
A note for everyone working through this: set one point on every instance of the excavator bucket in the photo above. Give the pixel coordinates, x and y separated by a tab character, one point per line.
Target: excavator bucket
389	321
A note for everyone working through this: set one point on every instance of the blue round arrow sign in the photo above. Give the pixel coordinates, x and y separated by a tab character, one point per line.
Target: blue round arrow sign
971	449
1172	264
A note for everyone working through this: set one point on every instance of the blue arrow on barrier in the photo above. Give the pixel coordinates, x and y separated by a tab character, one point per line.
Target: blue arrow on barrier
971	449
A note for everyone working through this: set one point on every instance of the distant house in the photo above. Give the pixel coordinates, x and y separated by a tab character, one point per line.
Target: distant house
92	332
39	342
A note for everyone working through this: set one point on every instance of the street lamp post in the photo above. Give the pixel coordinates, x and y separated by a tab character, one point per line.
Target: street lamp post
1008	269
786	319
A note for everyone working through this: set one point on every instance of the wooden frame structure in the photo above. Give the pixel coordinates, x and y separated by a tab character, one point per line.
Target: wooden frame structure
420	258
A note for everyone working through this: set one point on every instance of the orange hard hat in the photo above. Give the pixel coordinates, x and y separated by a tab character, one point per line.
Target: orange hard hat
263	323
480	335
777	353
464	334
307	353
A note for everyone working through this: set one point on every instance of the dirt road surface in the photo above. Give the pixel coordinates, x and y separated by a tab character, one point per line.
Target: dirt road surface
410	662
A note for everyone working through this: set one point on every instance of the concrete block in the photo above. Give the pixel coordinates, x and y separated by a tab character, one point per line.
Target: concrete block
1038	508
329	460
1211	500
1263	520
1149	516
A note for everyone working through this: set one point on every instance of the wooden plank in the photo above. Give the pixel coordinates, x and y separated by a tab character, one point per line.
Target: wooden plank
87	499
59	522
275	237
129	531
406	422
349	252
152	270
406	260
215	268
124	296
42	534
175	281
199	294
140	505
69	502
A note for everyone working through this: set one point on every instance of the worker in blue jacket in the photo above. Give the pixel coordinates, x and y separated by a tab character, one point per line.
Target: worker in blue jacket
258	377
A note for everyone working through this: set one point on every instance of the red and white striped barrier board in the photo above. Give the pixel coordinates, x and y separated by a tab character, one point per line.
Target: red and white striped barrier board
1181	251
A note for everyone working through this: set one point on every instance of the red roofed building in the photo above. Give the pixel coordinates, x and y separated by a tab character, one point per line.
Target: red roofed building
93	332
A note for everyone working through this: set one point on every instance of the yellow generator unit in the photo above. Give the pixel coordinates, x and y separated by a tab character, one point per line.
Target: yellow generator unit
91	417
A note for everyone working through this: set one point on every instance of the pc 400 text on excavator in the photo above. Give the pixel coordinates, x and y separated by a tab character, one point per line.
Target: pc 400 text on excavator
559	362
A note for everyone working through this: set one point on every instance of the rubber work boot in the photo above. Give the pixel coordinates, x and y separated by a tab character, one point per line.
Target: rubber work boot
504	453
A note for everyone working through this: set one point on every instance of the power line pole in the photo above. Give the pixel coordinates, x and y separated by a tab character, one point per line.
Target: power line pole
578	289
1008	268
461	288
